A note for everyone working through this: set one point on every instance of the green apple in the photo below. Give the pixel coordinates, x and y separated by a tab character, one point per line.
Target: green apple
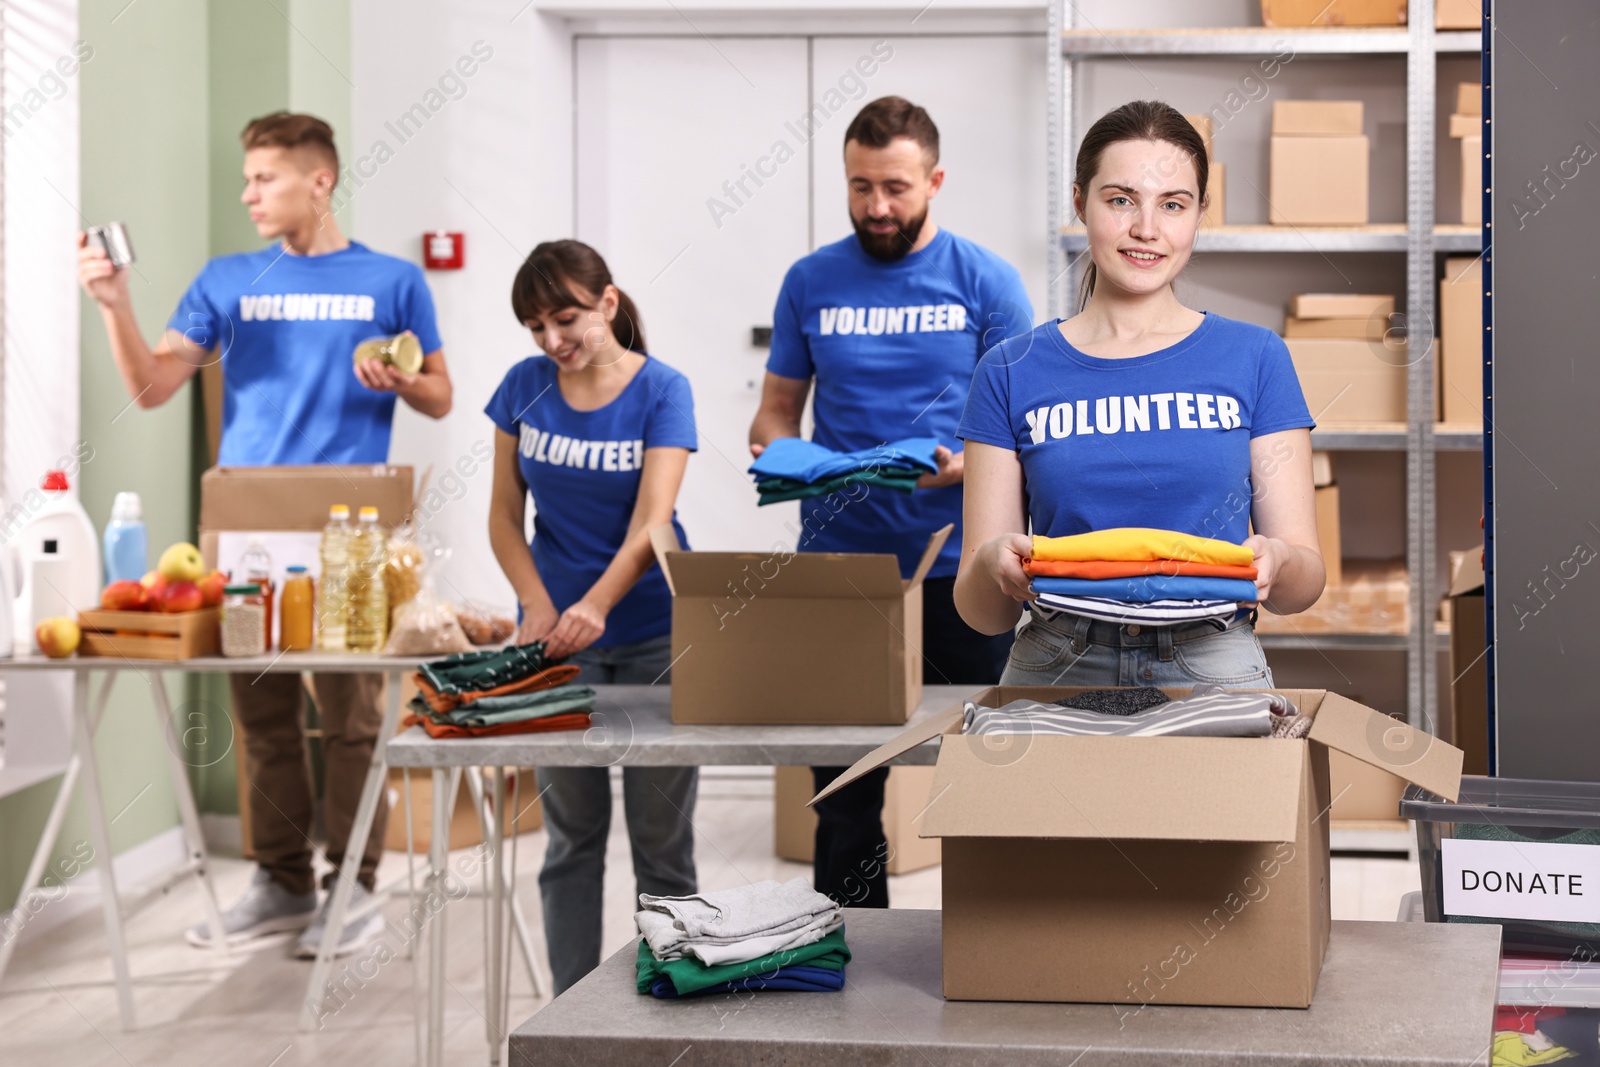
181	563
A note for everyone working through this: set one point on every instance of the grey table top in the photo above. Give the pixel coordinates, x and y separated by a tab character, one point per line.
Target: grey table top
633	726
278	662
1410	994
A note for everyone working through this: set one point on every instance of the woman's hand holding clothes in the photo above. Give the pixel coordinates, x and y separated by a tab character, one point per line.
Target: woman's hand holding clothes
1003	557
579	627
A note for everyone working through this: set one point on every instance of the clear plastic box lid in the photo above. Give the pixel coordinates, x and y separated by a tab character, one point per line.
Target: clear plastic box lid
1509	801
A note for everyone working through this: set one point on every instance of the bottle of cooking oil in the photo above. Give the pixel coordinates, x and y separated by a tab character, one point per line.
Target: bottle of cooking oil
369	601
333	604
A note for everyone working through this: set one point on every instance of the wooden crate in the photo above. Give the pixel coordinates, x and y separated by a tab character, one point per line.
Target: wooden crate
151	635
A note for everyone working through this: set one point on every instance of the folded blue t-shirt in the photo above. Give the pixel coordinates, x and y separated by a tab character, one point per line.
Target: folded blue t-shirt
1148	587
807	461
799	978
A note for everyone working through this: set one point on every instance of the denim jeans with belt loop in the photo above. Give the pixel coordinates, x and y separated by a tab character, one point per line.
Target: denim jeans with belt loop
1074	650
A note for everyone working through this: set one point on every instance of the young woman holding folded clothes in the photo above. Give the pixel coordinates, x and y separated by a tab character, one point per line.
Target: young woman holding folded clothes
1137	414
599	433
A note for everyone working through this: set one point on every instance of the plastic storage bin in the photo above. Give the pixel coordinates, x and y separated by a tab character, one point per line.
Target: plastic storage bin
1524	854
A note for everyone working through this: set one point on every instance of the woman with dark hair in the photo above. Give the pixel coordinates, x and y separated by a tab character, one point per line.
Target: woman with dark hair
1137	412
599	433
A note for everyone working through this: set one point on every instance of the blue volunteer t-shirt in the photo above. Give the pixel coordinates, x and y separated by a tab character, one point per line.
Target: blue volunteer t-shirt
892	347
583	469
287	327
1160	440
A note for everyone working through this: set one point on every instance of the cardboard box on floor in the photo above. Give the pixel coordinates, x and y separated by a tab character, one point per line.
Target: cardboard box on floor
1469	687
1134	870
1333	12
796	638
466	826
905	794
296	498
1461	340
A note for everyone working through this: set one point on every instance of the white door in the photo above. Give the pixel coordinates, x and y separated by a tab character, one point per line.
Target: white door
692	186
987	96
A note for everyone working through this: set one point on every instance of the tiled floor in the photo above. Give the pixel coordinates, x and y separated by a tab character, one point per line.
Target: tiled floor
58	1006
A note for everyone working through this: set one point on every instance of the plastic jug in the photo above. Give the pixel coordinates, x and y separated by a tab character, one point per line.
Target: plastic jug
58	559
127	545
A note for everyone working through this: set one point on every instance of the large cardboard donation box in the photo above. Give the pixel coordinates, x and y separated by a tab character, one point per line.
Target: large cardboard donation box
295	500
1145	870
800	638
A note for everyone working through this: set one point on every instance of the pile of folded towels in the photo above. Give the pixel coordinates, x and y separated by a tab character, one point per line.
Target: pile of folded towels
512	690
1209	711
768	935
792	469
1140	575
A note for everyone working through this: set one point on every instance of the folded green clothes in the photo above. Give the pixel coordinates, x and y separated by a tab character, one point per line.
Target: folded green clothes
475	671
516	707
690	975
776	490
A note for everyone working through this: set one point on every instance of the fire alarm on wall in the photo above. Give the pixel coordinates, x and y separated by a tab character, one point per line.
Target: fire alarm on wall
442	250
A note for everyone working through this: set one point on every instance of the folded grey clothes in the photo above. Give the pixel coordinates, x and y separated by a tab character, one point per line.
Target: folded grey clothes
737	925
1211	711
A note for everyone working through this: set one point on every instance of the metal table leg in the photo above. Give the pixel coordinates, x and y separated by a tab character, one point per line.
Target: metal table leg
438	851
519	920
189	814
354	850
100	834
494	969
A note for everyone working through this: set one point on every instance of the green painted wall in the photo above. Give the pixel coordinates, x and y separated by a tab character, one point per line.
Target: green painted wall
162	103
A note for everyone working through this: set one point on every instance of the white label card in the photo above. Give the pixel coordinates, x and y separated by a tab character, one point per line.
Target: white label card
1521	880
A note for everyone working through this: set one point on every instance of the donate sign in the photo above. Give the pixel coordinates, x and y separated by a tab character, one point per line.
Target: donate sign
1521	880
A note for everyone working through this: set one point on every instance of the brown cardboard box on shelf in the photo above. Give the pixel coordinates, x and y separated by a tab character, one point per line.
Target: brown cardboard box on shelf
1370	328
800	638
905	795
1333	12
1327	501
1318	181
1131	870
1469	95
1321	469
1461	340
1202	125
1471	180
1317	118
1469	690
1216	196
466	827
295	498
1466	125
1349	380
1364	306
1458	15
1373	597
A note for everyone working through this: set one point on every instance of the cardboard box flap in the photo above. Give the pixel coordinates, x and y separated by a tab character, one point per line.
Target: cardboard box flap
930	554
1468	577
1388	744
1118	788
664	539
908	739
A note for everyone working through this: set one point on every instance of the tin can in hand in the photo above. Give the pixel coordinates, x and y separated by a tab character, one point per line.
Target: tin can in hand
113	237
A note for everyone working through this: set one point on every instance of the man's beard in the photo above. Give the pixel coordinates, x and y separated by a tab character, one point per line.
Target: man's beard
889	247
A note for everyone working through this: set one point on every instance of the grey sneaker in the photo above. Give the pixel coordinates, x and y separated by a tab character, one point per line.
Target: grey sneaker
266	908
358	932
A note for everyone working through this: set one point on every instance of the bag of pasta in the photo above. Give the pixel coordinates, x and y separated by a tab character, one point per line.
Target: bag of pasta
402	570
423	624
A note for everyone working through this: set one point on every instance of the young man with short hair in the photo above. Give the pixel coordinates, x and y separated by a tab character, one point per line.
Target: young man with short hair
285	321
889	323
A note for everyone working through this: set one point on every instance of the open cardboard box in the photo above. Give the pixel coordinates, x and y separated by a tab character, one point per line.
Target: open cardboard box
794	638
1144	870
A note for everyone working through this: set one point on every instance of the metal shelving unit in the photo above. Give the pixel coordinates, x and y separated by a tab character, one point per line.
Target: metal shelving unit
1419	238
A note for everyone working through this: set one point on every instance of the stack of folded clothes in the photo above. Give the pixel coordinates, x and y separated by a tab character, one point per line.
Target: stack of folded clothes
792	469
513	690
1139	575
1209	711
762	936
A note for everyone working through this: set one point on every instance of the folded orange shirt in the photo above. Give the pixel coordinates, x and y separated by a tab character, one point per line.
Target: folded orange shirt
576	720
1045	568
548	678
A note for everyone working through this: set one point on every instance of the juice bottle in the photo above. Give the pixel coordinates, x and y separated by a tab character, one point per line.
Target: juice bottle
333	603
296	611
369	600
256	566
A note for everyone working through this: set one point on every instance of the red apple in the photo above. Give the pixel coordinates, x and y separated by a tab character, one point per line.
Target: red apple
211	588
125	596
179	596
155	587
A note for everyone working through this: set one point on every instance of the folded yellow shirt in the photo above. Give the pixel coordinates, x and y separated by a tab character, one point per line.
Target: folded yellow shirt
1131	543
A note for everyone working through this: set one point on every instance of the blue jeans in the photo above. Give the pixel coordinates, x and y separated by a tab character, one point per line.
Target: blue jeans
1073	650
658	803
